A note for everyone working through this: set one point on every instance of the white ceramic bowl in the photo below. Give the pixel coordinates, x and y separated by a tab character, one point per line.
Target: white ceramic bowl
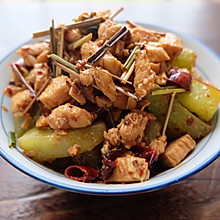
205	152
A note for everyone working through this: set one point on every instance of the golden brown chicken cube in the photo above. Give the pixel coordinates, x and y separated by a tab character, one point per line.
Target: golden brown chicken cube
156	54
20	101
172	45
130	169
177	150
144	76
56	93
107	61
69	116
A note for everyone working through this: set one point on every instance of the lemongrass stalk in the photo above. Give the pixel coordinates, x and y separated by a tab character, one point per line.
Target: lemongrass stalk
113	15
64	62
128	74
18	73
167	91
79	24
53	46
82	41
66	69
168	113
102	50
60	46
130	59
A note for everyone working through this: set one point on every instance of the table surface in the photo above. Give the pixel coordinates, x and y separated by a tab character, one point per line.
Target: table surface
197	197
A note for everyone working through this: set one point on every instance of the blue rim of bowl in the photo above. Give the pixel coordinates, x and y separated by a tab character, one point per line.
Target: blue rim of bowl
98	191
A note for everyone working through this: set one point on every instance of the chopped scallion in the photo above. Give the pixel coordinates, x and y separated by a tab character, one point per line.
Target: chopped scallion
12	141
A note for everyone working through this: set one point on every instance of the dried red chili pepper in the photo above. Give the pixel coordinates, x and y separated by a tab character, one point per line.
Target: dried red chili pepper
145	152
180	78
113	154
107	168
81	173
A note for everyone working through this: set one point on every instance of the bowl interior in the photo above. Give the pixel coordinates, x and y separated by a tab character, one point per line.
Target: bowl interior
207	150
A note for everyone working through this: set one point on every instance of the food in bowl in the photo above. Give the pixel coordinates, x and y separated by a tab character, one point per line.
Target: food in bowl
104	102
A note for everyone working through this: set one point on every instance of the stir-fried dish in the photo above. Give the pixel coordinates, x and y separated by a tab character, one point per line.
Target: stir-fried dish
107	102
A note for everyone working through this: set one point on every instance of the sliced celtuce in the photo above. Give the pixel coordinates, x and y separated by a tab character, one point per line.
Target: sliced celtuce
181	120
203	100
186	59
45	145
152	131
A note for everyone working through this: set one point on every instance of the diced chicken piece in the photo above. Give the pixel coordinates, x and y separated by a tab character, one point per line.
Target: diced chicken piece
38	75
120	101
88	48
69	116
155	44
34	49
30	78
139	34
131	129
11	90
105	83
124	102
76	93
72	35
30	52
30	60
102	79
118	49
56	93
107	61
155	67
104	13
130	169
42	122
20	101
172	45
113	136
86	77
177	150
144	76
85	15
159	144
129	132
110	63
42	71
156	54
131	103
107	29
42	57
161	79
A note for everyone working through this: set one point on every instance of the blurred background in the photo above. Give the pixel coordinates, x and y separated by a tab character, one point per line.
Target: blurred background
20	18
